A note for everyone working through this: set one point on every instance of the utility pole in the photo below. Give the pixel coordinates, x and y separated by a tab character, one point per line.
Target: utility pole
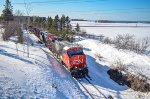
27	11
28	37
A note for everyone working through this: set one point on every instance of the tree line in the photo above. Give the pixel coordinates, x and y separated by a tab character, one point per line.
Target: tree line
54	25
57	25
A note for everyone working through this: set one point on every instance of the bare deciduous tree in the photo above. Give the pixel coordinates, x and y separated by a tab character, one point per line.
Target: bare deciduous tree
128	42
124	41
145	43
107	40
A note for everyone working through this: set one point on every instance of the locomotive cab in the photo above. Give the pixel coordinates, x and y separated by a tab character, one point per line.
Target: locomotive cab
75	60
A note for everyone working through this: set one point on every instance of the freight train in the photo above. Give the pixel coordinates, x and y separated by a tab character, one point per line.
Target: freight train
71	55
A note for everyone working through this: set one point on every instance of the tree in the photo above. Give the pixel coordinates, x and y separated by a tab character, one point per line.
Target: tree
60	26
77	28
18	14
62	22
18	30
37	21
0	18
43	22
67	20
7	13
68	25
30	21
56	23
49	23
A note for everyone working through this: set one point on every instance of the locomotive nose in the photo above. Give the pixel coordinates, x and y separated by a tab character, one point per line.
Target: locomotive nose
78	61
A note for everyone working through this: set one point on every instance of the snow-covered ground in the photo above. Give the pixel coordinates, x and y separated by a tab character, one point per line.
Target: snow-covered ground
138	32
38	77
98	69
42	76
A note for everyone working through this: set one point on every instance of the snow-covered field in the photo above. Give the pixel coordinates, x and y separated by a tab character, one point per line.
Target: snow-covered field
113	29
98	69
38	77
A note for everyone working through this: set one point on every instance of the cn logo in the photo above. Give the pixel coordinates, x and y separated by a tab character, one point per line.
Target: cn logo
77	61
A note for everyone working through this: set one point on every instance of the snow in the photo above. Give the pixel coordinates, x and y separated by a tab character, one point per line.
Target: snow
98	69
113	29
39	76
138	32
31	38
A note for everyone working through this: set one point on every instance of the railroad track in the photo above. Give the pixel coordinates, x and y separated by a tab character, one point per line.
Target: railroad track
100	94
82	84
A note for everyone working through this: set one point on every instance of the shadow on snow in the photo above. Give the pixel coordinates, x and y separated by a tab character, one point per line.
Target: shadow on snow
5	53
100	78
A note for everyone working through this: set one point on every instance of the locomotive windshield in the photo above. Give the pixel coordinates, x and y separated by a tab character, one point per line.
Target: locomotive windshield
75	52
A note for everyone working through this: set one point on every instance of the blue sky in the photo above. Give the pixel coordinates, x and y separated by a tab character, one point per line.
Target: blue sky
131	10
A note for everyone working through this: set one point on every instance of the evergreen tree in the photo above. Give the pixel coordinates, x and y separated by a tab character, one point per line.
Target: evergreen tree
67	20
49	23
62	23
56	23
31	20
60	26
77	28
0	18
7	14
37	21
52	30
34	18
43	22
68	25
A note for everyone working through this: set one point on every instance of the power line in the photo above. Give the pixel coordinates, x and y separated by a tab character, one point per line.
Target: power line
105	11
61	2
91	13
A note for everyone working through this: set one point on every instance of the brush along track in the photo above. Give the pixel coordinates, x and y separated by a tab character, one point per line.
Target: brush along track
81	83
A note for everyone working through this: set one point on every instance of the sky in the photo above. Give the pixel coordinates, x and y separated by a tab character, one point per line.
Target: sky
118	10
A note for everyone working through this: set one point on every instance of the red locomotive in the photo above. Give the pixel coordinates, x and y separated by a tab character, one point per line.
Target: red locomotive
75	60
